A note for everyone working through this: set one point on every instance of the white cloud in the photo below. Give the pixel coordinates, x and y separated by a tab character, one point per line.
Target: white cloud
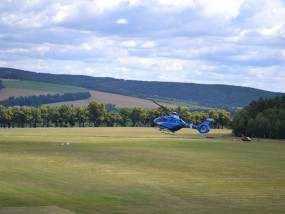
222	41
62	13
148	44
225	9
156	64
103	5
129	44
122	21
43	49
3	63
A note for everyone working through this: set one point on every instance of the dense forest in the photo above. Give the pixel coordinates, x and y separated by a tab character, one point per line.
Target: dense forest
261	118
217	96
97	114
1	84
44	99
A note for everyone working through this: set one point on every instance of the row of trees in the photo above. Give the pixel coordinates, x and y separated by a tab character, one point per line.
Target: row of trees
96	114
262	118
44	99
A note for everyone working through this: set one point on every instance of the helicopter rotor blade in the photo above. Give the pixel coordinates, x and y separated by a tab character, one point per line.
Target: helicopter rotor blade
167	110
163	107
183	118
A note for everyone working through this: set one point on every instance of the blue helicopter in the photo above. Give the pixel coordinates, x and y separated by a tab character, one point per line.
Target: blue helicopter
171	124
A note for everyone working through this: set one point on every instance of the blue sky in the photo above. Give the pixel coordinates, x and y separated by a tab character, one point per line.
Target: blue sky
233	42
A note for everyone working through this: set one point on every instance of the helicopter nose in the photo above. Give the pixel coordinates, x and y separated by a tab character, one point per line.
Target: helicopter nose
156	120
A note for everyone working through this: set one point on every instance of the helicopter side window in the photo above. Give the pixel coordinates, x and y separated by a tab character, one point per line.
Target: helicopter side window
178	121
162	119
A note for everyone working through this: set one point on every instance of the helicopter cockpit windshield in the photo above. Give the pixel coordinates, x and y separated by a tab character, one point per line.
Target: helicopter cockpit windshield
160	119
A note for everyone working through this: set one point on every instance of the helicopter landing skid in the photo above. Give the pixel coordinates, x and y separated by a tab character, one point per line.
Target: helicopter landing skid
165	131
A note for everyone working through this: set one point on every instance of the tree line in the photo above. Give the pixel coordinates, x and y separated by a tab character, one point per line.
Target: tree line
1	84
44	99
264	118
97	115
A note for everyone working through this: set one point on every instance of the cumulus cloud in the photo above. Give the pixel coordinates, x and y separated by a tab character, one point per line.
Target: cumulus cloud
122	21
235	42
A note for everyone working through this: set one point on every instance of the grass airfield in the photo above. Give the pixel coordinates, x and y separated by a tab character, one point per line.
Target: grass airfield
138	170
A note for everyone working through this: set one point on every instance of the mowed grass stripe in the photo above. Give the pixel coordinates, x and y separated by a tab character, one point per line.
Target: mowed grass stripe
143	172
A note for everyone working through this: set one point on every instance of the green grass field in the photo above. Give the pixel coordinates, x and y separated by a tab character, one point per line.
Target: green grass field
138	170
41	86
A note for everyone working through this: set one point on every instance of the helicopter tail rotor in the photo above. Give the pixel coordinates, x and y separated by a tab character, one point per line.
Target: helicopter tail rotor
204	127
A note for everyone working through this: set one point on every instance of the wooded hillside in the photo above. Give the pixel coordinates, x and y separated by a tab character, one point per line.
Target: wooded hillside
218	96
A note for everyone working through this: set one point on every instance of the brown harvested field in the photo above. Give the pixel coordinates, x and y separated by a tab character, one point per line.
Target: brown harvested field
119	100
5	93
102	97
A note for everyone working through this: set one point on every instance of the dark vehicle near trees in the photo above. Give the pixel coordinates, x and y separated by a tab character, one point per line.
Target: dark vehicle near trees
245	138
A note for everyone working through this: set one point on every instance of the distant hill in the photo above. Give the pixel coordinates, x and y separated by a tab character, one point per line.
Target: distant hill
218	96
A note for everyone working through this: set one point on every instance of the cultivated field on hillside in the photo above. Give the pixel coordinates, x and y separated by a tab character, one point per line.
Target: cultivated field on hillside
119	100
5	93
42	86
138	170
17	88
